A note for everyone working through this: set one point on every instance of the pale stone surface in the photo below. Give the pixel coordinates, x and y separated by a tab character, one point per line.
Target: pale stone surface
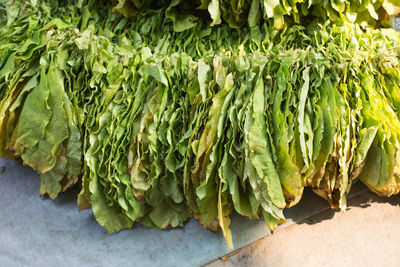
367	234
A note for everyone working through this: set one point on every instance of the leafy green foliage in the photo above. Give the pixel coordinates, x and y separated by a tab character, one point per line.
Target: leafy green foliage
164	125
237	13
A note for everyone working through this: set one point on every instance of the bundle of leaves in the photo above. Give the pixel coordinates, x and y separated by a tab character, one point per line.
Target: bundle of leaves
186	14
164	125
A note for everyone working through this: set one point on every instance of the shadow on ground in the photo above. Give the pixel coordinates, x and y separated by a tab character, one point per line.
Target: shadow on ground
68	197
313	209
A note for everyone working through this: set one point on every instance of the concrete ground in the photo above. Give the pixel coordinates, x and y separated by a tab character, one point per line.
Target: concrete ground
367	234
